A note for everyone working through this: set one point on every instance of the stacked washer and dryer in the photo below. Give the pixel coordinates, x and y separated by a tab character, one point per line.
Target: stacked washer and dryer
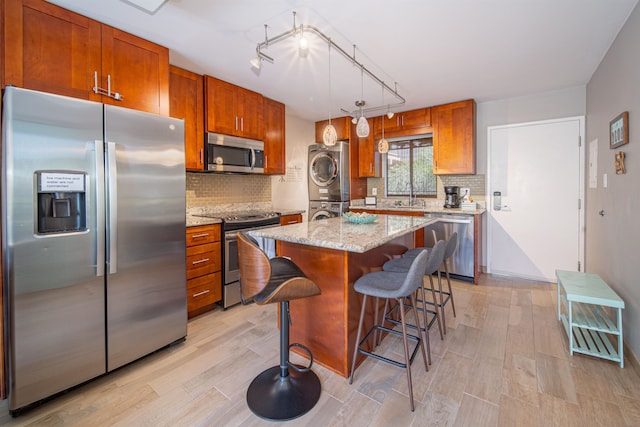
328	180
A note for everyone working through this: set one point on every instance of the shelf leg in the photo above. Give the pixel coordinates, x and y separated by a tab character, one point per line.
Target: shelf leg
570	331
620	343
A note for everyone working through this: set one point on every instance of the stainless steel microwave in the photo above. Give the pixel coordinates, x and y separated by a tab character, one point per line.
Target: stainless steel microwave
233	154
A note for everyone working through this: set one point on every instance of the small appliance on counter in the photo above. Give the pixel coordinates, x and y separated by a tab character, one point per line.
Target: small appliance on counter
451	197
370	201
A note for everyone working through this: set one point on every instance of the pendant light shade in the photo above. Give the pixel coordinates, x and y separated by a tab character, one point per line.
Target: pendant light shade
362	128
329	136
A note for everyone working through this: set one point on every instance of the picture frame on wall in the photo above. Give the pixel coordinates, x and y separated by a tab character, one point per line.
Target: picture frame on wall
619	130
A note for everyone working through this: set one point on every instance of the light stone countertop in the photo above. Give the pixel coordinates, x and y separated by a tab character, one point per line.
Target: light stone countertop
430	209
338	233
194	221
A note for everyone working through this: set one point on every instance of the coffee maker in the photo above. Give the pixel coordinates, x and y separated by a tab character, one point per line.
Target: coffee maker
451	197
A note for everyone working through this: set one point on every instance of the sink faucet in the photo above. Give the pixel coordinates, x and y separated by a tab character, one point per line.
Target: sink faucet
410	194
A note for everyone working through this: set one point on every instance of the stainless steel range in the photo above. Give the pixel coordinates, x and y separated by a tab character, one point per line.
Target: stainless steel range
232	223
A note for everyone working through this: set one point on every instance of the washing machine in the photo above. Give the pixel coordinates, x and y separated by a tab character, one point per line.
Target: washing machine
329	172
323	210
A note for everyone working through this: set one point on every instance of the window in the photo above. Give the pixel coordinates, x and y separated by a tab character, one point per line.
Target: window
409	168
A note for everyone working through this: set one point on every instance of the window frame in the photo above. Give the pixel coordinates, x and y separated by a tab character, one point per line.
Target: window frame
408	140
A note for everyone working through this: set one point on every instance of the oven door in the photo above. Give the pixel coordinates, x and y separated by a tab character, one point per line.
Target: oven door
231	289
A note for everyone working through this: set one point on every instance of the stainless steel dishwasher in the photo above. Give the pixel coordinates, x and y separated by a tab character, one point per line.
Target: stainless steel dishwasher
462	265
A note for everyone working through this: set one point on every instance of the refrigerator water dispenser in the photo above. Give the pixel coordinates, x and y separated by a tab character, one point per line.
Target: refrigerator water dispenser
61	206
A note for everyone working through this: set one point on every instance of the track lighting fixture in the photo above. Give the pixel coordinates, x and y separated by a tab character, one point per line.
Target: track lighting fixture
299	33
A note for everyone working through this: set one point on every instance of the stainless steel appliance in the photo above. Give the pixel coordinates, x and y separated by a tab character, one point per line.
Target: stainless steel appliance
234	154
451	197
93	241
324	210
231	225
463	260
329	172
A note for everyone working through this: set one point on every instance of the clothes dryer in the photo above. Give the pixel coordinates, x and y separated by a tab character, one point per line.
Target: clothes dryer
324	210
329	172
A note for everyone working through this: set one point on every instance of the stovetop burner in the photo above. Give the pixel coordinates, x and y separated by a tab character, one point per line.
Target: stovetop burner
244	219
245	216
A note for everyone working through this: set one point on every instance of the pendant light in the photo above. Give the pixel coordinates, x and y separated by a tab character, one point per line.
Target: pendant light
329	135
362	128
383	144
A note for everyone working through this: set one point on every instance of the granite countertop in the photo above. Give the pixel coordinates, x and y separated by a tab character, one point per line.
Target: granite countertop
423	209
338	233
194	221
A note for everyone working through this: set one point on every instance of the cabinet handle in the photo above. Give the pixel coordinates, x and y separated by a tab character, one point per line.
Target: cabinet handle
201	293
294	221
198	236
200	261
402	120
236	122
202	156
242	124
370	167
105	92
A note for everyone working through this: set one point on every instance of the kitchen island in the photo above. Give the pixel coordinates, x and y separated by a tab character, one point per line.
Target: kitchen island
335	253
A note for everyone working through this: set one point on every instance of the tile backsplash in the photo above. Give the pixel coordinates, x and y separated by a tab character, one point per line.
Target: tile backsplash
475	183
210	189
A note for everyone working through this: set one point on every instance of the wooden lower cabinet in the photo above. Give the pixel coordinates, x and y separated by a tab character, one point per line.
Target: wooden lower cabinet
204	268
290	219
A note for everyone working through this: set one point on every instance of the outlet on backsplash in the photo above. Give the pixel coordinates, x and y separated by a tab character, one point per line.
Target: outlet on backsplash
464	192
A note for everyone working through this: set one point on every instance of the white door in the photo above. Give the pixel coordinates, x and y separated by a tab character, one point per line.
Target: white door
537	227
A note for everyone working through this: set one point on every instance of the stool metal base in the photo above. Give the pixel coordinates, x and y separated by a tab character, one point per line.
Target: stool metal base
273	397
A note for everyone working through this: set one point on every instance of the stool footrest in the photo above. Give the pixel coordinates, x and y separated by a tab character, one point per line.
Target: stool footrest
408	306
386	359
306	350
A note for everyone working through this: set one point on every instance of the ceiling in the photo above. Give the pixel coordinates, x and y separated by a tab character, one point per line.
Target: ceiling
437	51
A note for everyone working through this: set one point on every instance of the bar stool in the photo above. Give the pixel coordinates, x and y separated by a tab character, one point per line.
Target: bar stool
435	256
445	297
384	284
286	391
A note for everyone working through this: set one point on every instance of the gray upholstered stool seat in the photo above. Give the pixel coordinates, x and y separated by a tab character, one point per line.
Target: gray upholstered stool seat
399	263
412	253
382	284
435	256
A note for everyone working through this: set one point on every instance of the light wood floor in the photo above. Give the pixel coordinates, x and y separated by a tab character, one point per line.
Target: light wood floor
504	361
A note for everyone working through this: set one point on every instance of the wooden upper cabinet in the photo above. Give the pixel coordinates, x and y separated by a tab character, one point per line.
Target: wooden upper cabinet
406	123
50	49
186	101
54	50
454	138
369	159
274	137
137	69
232	110
342	125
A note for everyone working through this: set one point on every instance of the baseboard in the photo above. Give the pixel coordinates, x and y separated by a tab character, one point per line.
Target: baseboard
630	358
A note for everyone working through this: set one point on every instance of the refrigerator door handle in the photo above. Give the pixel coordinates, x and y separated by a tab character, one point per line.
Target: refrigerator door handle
113	207
100	210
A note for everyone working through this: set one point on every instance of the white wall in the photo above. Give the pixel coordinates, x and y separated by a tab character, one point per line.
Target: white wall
289	193
569	102
613	240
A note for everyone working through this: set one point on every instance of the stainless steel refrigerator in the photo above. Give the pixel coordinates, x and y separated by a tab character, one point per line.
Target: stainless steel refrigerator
93	239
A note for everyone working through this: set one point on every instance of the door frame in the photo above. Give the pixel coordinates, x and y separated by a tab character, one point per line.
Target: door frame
581	186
